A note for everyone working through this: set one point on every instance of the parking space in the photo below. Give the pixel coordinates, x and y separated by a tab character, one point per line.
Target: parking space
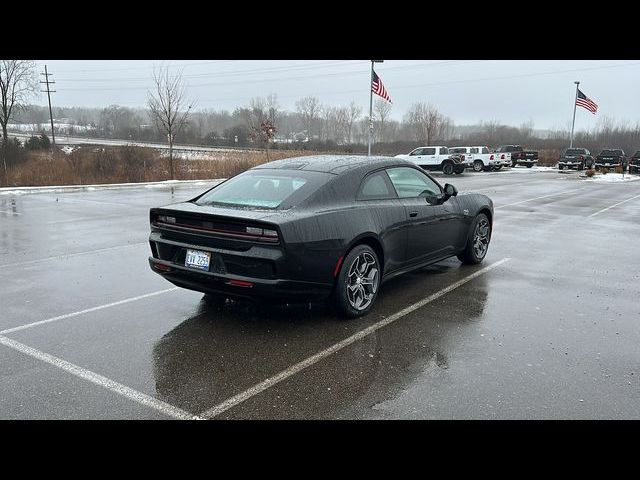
545	327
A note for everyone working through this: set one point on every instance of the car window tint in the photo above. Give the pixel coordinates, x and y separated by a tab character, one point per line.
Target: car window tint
428	151
375	187
485	150
417	151
410	182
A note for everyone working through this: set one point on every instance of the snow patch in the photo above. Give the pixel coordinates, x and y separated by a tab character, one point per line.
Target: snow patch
613	177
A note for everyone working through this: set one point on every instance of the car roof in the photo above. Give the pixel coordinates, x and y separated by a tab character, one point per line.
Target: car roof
335	164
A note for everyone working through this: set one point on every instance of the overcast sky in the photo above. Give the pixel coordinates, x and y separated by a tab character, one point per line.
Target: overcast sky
468	91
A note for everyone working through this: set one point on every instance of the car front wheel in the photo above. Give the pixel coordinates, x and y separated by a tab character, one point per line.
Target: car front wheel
358	282
477	242
447	168
478	166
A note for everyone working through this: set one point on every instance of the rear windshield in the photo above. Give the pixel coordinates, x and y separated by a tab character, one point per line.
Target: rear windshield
576	151
265	188
611	152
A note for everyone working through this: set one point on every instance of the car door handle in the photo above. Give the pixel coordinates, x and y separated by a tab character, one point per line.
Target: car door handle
413	214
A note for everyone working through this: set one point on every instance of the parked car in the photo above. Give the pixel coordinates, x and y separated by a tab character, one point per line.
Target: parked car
479	158
611	158
436	158
317	228
518	156
634	163
578	158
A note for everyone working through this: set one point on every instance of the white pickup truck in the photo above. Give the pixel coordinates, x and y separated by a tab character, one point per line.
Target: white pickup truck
436	158
479	158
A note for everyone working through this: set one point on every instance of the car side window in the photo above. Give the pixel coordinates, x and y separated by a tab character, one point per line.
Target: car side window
410	182
417	151
376	186
428	151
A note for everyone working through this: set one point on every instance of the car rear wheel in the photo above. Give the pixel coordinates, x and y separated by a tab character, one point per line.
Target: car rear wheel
447	168
530	165
478	166
358	282
560	167
477	242
498	167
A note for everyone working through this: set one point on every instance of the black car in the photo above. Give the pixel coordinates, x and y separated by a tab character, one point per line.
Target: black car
611	158
312	228
519	156
634	163
578	158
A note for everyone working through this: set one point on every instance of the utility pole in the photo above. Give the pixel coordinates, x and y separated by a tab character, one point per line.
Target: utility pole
371	106
49	92
575	103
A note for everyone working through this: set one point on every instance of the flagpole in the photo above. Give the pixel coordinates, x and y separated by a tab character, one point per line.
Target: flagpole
370	110
575	104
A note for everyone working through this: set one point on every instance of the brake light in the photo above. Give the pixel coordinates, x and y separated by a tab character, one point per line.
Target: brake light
581	157
462	157
502	157
262	232
491	157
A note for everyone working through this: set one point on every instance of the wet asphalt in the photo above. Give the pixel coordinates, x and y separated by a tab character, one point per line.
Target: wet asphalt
553	333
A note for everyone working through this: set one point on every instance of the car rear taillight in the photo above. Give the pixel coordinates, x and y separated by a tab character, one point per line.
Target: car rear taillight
462	157
491	157
268	234
161	267
502	157
581	157
240	283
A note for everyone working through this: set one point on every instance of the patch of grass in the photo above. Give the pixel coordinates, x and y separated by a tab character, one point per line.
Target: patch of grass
127	164
590	173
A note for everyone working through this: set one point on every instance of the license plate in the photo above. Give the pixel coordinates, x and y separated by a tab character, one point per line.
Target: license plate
197	259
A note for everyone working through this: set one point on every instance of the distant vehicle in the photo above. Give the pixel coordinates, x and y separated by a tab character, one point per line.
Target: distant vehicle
634	163
577	158
317	228
479	158
611	158
436	158
518	155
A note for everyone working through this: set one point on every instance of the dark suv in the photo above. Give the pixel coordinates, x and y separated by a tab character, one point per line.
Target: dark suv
578	158
611	158
634	163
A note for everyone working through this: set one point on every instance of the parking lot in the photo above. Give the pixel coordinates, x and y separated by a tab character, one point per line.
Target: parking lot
545	327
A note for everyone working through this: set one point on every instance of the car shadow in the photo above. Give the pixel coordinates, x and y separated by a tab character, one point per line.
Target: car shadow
220	352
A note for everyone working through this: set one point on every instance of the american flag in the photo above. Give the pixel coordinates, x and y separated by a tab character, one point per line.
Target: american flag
586	102
378	88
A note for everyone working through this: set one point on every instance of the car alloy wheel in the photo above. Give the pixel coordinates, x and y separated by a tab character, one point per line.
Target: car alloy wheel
362	281
447	168
481	238
478	166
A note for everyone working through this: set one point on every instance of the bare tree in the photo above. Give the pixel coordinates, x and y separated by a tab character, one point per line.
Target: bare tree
425	122
18	82
168	106
309	110
381	112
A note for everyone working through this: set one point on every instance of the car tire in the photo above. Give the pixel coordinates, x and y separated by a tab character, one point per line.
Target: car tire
513	163
530	165
357	289
580	166
560	167
478	166
498	167
447	168
477	241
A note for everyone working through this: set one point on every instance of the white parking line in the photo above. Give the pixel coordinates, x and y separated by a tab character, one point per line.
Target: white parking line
609	208
88	310
538	198
283	375
69	255
101	381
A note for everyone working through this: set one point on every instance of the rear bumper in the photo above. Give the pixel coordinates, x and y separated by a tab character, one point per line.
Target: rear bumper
238	286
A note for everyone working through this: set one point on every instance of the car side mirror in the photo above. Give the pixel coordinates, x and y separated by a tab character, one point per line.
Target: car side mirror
450	190
434	199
